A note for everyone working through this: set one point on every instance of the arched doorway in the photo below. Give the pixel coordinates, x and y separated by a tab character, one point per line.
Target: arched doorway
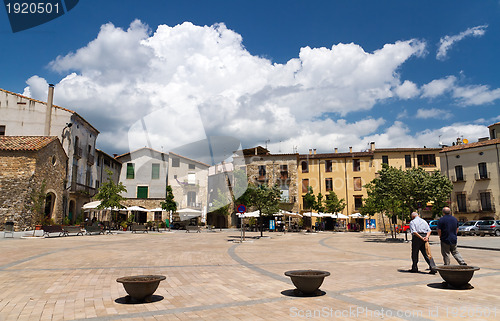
50	200
72	211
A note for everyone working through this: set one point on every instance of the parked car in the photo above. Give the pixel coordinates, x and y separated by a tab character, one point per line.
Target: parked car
434	226
490	227
404	228
468	228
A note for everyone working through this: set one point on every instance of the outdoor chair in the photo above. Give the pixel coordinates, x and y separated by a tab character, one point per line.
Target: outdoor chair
8	229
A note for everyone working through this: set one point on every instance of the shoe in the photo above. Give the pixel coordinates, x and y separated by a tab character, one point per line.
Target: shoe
433	272
463	263
412	271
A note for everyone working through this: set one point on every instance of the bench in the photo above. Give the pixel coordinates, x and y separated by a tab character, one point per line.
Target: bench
47	229
8	229
72	229
193	228
89	229
139	227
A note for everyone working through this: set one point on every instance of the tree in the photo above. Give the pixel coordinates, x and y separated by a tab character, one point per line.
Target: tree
309	199
37	206
333	204
169	204
397	193
319	205
109	194
265	199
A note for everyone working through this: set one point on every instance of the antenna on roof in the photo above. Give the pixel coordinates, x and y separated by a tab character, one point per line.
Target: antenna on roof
267	141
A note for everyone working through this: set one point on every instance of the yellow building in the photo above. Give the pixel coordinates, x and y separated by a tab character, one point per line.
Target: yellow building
347	173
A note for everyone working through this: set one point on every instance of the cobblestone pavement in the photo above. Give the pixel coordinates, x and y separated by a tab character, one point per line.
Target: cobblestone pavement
210	277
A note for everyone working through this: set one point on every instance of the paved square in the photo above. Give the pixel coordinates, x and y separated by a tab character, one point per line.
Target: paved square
210	277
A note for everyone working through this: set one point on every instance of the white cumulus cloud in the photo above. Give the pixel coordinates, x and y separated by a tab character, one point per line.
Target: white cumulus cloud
423	113
181	82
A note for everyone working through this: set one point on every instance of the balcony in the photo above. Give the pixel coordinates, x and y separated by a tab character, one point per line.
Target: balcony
482	176
77	153
194	205
90	160
82	189
459	179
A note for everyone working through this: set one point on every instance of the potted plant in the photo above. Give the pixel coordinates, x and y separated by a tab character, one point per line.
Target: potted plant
124	225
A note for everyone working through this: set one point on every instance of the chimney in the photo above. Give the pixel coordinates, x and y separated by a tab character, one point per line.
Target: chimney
350	149
314	150
48	112
372	146
114	155
310	151
256	151
336	150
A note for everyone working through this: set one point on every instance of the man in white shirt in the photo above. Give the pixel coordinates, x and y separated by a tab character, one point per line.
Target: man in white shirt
420	232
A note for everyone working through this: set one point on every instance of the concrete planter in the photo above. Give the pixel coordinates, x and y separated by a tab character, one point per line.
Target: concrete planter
458	276
307	281
141	287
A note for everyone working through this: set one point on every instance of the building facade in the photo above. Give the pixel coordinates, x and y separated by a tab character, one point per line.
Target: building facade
27	163
24	116
474	169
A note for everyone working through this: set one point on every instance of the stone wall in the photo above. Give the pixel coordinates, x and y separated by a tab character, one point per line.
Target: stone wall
22	172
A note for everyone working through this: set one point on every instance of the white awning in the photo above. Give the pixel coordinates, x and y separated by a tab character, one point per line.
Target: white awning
249	214
188	213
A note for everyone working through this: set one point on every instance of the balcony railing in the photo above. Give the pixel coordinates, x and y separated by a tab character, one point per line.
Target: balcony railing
482	176
194	205
84	189
90	159
459	179
77	152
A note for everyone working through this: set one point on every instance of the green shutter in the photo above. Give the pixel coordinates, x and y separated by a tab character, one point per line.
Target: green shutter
130	171
155	171
142	192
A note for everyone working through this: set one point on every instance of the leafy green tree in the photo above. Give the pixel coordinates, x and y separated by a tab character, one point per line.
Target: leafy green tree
265	199
319	205
169	204
309	199
109	194
333	204
440	187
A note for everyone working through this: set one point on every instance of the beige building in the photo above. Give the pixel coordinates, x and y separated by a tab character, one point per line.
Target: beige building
474	169
26	162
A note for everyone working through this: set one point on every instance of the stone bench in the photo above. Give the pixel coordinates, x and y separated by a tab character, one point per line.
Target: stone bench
193	228
89	229
72	229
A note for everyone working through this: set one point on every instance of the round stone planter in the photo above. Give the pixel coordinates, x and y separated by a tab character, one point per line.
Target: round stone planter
307	281
141	287
458	276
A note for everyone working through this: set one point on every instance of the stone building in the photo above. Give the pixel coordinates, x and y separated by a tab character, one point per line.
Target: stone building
25	116
26	162
474	169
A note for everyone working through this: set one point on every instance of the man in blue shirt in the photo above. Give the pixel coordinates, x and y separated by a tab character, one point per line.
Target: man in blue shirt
447	228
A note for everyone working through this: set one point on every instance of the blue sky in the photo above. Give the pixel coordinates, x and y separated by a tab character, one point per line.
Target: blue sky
255	70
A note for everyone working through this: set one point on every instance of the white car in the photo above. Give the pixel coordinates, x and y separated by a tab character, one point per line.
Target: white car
469	228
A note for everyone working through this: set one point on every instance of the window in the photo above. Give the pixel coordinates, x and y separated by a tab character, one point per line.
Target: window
2	130
328	166
142	192
459	172
176	162
358	202
98	163
485	201
284	189
192	166
191	179
262	172
357	183
385	159
191	199
158	217
305	167
97	184
426	160
305	185
329	184
284	172
483	171
356	165
407	161
461	204
130	171
155	171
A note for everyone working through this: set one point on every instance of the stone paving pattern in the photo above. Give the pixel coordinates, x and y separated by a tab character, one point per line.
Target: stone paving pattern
210	277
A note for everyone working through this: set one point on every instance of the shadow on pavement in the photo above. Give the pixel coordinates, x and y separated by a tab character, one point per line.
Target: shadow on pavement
445	286
128	300
297	293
